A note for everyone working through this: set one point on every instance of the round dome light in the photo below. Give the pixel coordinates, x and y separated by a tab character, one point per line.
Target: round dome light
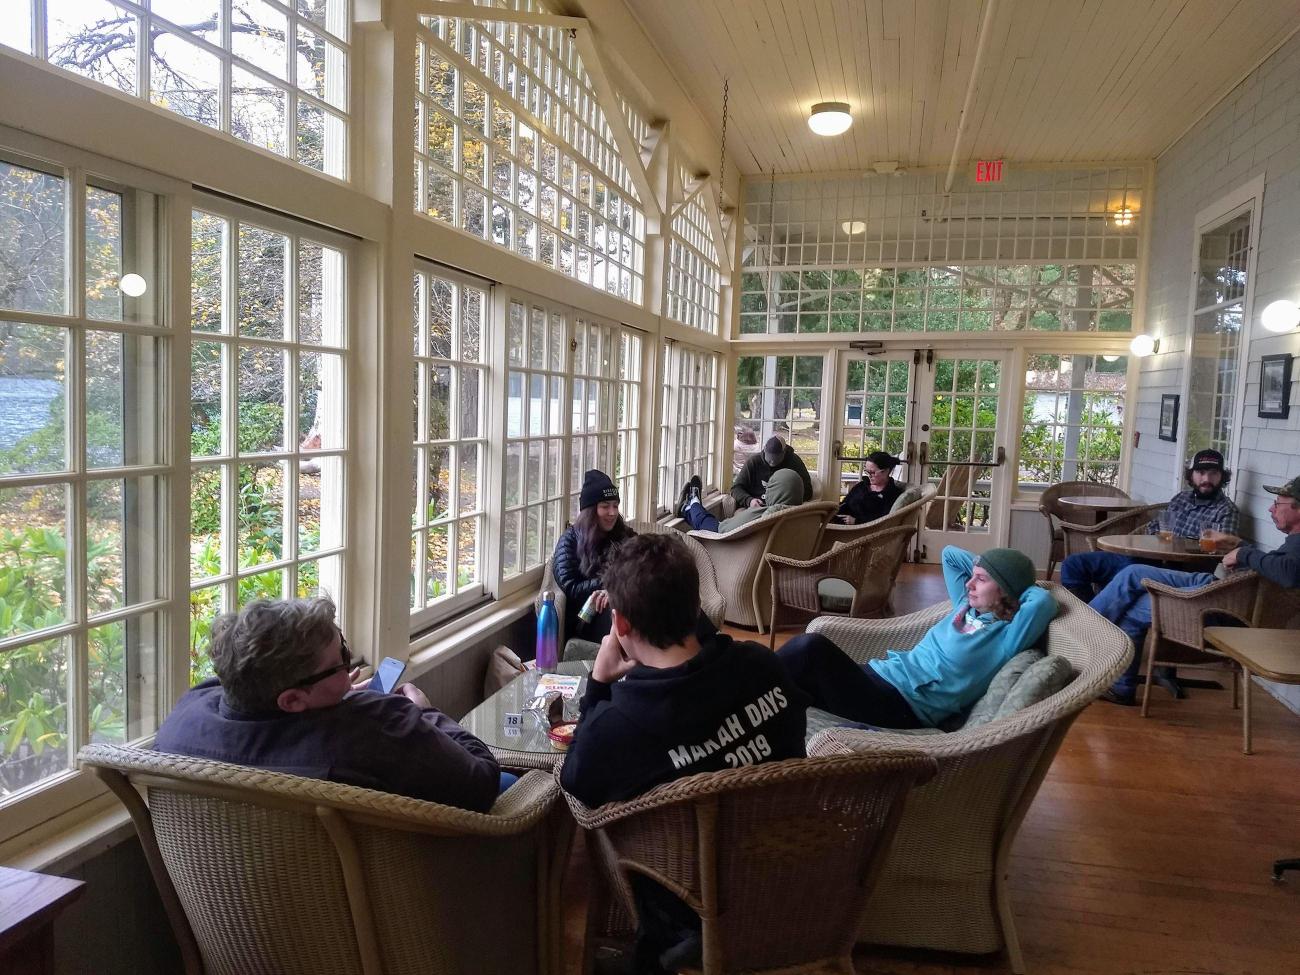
830	118
132	285
853	226
1110	358
1281	316
1142	345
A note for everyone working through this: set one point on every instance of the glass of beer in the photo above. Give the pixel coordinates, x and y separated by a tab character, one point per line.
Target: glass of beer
1166	526
1209	541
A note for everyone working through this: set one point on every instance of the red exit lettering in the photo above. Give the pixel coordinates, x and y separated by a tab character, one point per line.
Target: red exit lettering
988	171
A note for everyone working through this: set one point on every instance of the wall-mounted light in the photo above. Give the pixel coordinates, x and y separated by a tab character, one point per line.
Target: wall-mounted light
1281	316
853	226
1124	216
830	118
132	285
1143	345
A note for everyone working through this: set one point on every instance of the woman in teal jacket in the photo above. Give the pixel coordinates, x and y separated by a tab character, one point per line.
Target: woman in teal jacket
998	611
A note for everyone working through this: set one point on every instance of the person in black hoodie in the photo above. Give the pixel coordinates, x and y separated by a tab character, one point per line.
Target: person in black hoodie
582	550
749	490
874	496
661	704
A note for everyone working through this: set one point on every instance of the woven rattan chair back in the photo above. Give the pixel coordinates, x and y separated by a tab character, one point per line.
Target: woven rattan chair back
795	536
1083	538
909	514
1050	507
262	872
776	859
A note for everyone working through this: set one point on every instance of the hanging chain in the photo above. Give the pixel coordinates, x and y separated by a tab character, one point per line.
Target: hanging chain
722	152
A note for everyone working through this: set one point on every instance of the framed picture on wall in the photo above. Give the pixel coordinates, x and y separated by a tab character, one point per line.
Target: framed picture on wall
1275	386
1169	416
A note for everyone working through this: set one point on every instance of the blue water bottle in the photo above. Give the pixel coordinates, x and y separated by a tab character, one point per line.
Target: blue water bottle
548	634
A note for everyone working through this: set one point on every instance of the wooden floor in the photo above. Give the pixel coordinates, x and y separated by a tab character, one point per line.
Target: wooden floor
1147	850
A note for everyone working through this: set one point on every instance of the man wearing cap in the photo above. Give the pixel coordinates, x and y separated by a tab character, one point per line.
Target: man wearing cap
998	611
1126	603
750	487
1202	505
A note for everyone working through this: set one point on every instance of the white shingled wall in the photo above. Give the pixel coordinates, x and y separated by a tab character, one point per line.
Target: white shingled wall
1253	132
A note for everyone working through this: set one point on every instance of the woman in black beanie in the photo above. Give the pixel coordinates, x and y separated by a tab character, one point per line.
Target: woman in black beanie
874	495
581	551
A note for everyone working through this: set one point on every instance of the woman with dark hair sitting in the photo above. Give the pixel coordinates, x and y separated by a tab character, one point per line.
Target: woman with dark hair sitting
874	496
581	551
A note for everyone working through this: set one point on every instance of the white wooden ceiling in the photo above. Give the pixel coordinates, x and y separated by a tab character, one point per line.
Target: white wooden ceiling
1061	80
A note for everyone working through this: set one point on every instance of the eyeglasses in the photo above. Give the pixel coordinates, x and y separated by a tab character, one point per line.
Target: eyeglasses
329	672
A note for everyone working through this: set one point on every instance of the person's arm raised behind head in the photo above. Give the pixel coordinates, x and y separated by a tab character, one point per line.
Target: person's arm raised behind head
958	564
1037	609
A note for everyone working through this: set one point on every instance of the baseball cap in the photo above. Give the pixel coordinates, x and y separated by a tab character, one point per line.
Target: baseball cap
774	451
1207	460
1291	489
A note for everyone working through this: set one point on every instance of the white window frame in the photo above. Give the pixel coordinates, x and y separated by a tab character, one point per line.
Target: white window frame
688	420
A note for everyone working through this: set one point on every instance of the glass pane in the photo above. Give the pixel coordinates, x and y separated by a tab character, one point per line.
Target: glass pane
320	294
440	403
261	399
207	263
124	527
265	585
124	658
319	67
205	605
262	286
33	263
259	513
32	402
34	711
442	301
206	550
96	40
471	334
439	483
467	560
16	28
33	553
205	399
437	580
468	478
470	402
321	399
183	77
257	34
124	393
321	577
257	111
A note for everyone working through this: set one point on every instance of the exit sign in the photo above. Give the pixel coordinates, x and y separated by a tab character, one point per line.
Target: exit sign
988	171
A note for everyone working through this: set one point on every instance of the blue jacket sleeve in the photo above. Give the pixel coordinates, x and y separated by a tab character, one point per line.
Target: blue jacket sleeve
957	567
1037	608
568	575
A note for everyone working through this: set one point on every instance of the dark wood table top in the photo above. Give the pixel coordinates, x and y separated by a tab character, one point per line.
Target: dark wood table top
29	900
1184	551
1273	654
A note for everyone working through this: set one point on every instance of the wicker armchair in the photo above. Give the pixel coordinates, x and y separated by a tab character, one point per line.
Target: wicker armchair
711	601
1056	513
737	557
1083	538
1179	618
263	873
909	514
944	884
776	859
869	566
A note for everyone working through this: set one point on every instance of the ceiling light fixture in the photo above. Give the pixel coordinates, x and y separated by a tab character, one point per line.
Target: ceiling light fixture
132	285
1281	316
853	226
1123	217
830	118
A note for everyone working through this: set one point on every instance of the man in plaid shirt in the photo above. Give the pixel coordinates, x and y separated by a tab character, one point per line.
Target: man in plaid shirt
1203	505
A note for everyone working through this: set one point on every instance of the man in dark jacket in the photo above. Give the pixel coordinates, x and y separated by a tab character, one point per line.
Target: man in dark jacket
750	486
661	704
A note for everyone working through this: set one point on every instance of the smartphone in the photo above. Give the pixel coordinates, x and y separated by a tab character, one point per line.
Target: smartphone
387	675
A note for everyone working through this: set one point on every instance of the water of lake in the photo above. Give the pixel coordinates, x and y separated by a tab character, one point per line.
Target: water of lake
24	406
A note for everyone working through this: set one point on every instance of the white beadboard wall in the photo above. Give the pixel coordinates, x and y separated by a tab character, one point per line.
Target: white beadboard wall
1254	131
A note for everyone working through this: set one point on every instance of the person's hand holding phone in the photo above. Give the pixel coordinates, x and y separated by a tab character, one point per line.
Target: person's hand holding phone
611	662
756	502
413	693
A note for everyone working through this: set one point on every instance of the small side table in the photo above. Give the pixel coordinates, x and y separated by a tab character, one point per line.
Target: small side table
1273	654
29	903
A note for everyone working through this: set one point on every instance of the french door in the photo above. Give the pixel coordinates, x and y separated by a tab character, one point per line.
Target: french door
945	414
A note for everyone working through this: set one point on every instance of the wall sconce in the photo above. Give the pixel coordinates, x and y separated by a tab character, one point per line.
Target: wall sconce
1144	345
1124	216
132	285
830	118
1281	316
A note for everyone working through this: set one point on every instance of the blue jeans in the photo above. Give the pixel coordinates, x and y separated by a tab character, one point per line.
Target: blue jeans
698	517
1128	605
1084	570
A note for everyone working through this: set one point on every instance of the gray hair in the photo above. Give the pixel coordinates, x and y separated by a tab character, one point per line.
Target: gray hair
267	647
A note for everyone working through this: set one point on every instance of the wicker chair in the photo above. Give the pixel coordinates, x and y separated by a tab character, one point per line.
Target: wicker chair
869	566
263	873
1083	538
945	880
1179	618
909	514
711	601
1056	513
737	557
776	859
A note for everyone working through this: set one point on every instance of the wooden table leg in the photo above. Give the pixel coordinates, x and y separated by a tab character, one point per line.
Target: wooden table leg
1245	710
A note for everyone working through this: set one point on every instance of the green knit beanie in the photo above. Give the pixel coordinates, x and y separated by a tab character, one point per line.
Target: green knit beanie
1011	570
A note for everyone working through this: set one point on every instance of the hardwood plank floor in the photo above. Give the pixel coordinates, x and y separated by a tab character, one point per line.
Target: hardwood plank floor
1148	847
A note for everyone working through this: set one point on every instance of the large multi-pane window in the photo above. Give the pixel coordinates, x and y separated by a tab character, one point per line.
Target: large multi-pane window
1072	425
876	395
627	436
1223	267
513	147
272	73
606	375
778	395
693	280
84	475
451	455
268	414
688	430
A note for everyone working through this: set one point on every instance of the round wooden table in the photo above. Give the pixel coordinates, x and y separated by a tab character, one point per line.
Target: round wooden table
1183	552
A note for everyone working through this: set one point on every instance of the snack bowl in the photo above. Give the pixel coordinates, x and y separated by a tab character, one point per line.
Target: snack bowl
561	735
